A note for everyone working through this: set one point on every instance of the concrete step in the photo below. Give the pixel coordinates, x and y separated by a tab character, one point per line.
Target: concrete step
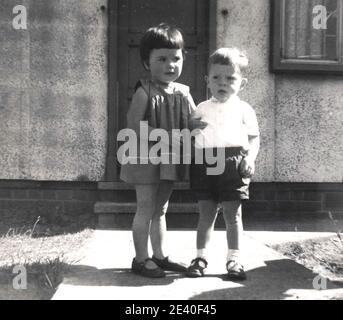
117	185
123	192
103	207
119	215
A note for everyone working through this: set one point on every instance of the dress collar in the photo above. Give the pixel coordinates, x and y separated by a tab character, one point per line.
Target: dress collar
163	87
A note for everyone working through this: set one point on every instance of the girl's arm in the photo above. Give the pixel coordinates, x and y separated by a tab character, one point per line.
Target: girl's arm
137	111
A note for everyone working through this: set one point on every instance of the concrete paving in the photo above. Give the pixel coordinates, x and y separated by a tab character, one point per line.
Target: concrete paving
104	272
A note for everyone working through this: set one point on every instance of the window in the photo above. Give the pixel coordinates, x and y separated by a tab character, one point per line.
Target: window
307	35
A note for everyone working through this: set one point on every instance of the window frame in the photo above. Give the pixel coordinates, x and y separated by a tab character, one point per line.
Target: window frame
278	64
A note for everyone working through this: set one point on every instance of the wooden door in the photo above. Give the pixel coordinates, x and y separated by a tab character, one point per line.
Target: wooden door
133	18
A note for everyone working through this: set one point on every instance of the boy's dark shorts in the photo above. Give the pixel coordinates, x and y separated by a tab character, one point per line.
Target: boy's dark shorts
227	186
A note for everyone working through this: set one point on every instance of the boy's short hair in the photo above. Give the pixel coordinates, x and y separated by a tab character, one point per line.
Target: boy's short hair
230	57
159	37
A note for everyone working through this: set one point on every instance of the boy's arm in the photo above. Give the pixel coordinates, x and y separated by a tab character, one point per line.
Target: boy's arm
247	166
254	147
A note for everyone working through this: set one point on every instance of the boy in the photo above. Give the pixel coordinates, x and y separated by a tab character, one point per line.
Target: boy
231	130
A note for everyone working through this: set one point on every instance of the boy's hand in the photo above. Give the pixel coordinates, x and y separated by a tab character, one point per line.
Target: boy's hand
196	123
247	167
174	138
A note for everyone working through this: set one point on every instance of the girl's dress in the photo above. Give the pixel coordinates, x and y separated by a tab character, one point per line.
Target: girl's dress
165	110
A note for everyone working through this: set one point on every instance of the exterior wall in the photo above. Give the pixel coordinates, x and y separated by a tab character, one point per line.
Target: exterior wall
53	96
53	111
280	206
301	117
63	204
53	91
309	128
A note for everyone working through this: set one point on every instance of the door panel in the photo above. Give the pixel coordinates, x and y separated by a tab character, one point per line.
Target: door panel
144	14
134	17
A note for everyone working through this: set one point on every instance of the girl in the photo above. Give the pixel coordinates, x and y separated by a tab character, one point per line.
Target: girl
160	103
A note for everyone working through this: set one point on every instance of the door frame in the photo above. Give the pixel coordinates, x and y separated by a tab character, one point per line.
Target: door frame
111	174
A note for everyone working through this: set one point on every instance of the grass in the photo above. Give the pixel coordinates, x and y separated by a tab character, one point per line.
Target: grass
323	256
45	255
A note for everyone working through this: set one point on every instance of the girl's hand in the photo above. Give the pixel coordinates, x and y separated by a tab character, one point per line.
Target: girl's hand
247	167
196	123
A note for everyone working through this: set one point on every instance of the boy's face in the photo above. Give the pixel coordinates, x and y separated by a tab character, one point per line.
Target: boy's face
165	65
224	81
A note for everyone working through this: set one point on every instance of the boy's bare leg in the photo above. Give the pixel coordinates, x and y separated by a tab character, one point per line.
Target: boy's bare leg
232	212
234	232
158	228
207	218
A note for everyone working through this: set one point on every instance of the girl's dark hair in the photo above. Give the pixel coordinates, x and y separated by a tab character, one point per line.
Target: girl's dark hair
159	37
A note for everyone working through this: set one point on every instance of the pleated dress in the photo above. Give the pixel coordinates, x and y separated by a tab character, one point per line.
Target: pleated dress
165	110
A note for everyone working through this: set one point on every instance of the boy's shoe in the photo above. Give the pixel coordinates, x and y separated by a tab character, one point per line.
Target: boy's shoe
197	268
168	265
141	269
235	271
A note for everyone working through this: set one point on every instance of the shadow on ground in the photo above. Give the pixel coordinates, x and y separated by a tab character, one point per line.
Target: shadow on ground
270	282
277	280
91	276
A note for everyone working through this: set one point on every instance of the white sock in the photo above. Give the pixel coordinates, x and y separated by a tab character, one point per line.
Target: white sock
233	255
202	253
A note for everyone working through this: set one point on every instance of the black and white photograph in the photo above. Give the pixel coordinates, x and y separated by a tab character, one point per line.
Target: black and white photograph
172	156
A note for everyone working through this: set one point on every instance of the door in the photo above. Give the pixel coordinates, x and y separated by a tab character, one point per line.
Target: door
133	17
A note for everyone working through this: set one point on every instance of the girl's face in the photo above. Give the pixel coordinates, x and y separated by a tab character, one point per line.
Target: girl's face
165	65
224	81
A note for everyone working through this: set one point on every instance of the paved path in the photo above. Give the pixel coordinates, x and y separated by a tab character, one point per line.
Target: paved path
104	272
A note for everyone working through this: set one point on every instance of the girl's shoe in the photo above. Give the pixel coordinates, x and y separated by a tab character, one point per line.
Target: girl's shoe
197	268
141	269
168	265
235	271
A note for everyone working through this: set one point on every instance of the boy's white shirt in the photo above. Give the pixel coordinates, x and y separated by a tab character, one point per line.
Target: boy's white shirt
229	124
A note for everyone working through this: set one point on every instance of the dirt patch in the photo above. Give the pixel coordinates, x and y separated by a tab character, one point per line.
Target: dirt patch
323	256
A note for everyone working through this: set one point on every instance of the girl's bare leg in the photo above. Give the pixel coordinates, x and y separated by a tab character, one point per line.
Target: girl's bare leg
158	229
146	200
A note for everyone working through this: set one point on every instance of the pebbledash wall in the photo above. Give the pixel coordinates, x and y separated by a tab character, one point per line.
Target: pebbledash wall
53	112
301	120
53	107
